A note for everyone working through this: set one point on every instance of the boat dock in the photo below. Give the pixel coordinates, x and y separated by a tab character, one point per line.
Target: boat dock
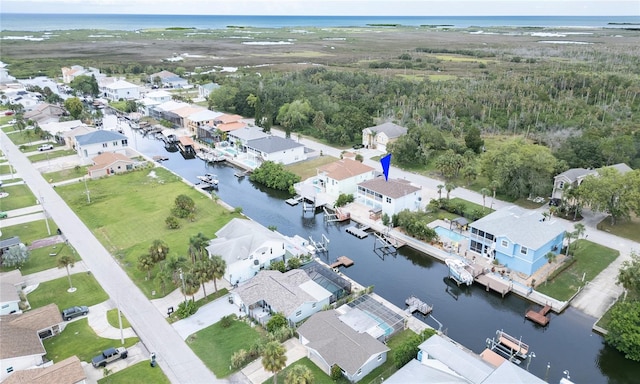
516	346
539	317
294	200
357	232
416	304
493	284
342	261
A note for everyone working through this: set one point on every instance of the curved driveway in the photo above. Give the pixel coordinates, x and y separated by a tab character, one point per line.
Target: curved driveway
176	359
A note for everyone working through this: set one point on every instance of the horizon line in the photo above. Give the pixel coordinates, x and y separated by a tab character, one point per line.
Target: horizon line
309	15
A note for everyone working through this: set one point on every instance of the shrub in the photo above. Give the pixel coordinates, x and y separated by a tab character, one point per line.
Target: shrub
278	266
344	199
186	309
239	359
293	263
227	321
172	222
273	175
336	372
184	206
276	322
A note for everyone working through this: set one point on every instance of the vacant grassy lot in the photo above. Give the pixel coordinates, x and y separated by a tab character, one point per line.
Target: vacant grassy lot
25	136
44	258
629	229
79	339
136	374
28	232
88	292
590	260
20	196
127	213
215	345
65	174
48	155
309	168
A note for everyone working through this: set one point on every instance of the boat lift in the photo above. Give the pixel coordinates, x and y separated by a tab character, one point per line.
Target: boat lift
320	246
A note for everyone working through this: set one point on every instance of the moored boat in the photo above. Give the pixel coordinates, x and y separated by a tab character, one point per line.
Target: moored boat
458	272
209	179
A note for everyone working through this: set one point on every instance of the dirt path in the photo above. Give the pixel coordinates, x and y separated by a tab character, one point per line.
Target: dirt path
47	241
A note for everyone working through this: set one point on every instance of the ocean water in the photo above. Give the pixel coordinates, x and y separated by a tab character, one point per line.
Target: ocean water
49	22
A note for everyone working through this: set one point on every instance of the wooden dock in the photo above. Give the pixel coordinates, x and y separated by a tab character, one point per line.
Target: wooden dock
493	284
416	304
539	317
517	347
342	261
357	232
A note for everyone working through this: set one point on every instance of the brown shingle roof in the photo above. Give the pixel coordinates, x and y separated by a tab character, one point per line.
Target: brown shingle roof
104	160
394	188
68	371
228	118
20	332
344	169
38	319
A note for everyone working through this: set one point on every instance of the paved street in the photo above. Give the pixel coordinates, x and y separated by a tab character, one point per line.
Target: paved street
175	358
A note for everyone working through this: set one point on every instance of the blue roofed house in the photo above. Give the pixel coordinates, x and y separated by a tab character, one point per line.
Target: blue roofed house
98	142
169	79
517	238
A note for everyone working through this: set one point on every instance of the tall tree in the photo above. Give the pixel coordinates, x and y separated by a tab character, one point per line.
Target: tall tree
66	261
473	140
197	247
74	106
299	374
449	187
218	268
158	250
613	192
274	358
484	192
203	272
146	264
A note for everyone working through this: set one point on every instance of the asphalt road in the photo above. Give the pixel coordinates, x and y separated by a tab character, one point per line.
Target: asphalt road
176	359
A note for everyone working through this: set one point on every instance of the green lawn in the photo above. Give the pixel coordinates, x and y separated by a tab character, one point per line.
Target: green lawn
44	258
136	374
215	345
88	292
28	232
308	168
629	229
211	296
112	318
469	206
24	137
20	196
5	169
127	213
590	260
65	174
319	377
8	129
79	339
46	155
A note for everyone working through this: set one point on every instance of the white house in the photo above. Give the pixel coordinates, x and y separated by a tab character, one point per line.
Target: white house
21	342
95	143
9	296
379	136
575	176
276	149
200	119
248	247
390	196
329	341
69	137
343	176
242	136
205	90
292	293
68	74
120	89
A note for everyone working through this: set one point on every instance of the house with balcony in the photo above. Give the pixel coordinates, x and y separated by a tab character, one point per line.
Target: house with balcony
240	137
380	136
575	176
389	196
98	142
199	120
153	99
120	90
329	341
248	247
292	294
165	110
343	176
276	149
517	238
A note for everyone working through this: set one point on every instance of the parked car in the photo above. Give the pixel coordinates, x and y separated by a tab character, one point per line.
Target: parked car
45	147
109	355
73	312
3	215
358	146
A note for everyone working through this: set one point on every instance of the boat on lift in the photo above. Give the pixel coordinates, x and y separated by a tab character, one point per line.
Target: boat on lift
459	272
209	179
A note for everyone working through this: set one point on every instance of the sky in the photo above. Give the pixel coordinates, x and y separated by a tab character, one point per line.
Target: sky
333	7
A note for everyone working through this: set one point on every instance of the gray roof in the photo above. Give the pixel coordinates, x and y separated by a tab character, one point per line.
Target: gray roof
620	167
210	86
337	343
507	372
391	130
520	226
414	372
239	238
459	360
574	173
394	188
284	292
99	136
248	133
272	144
8	293
10	242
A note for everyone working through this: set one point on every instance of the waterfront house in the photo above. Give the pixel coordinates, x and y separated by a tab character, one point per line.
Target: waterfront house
95	143
153	99
120	90
379	136
168	80
517	238
575	176
389	196
69	137
110	163
292	294
343	176
67	371
200	119
21	342
248	247
442	360
165	110
329	341
45	113
184	112
276	149
70	73
240	137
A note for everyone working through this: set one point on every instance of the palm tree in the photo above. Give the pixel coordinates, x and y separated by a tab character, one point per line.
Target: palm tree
299	374
197	246
579	230
551	257
190	285
172	265
66	261
274	358
203	273
484	192
494	186
164	277
440	186
159	250
449	187
218	268
568	235
145	264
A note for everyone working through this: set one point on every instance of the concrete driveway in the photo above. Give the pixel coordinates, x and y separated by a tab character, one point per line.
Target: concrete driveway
206	316
137	353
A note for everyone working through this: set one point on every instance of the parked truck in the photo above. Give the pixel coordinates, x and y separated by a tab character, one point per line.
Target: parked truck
109	355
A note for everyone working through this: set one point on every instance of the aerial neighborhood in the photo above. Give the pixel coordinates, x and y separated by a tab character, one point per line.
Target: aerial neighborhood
183	227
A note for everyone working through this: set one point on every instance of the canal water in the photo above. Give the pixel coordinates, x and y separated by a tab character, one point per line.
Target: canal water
468	315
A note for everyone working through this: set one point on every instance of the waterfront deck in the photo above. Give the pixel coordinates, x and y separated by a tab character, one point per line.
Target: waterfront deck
493	284
539	317
416	304
294	200
342	261
357	232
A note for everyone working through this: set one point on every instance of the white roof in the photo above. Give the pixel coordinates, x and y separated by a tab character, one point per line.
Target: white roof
56	128
204	115
171	105
159	94
121	84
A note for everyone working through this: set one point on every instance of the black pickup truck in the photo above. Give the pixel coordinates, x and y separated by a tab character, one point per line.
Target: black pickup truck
109	355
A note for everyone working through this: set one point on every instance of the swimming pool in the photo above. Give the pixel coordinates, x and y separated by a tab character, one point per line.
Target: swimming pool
449	234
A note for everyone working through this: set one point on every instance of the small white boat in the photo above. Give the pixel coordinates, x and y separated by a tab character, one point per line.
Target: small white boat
210	179
458	271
